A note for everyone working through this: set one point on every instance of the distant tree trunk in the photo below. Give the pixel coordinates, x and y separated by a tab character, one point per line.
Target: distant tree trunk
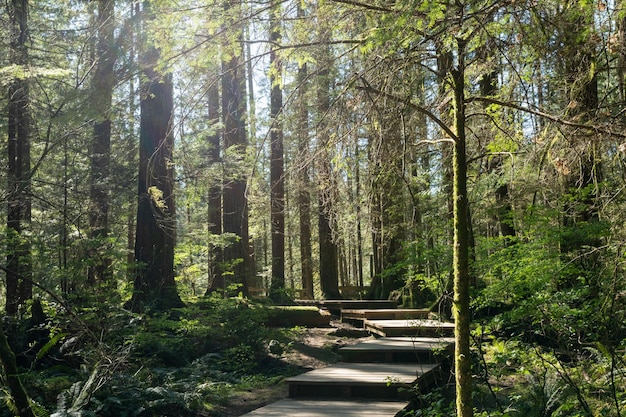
277	177
216	279
155	238
488	84
234	203
12	379
389	211
19	268
327	245
103	83
445	61
462	356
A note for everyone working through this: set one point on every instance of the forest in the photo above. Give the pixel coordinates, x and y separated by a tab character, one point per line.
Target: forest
173	170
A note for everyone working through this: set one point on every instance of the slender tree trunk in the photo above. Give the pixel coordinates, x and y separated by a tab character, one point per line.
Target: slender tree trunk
18	290
462	356
277	175
359	232
155	238
103	83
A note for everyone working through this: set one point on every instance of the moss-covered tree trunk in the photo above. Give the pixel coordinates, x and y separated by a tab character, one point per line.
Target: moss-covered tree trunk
461	303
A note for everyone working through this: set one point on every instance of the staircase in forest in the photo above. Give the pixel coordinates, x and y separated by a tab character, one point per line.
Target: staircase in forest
375	377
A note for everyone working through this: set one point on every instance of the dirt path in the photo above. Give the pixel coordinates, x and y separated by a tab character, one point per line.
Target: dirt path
314	348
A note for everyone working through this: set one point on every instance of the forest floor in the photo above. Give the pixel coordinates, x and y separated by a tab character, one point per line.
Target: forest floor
313	348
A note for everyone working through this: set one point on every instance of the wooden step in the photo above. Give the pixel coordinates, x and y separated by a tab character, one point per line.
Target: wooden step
399	349
326	408
363	380
410	327
358	316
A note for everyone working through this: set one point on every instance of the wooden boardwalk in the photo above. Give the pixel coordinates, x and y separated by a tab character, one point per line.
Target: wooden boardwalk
377	377
361	380
400	349
328	408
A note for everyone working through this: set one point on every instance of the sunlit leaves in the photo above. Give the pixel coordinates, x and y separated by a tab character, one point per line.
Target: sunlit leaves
19	72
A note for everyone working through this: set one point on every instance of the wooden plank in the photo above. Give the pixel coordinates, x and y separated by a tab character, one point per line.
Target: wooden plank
399	349
410	327
364	380
327	408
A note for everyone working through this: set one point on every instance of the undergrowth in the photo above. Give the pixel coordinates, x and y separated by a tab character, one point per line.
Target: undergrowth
189	362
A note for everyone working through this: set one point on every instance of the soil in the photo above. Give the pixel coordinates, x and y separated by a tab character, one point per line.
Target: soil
314	348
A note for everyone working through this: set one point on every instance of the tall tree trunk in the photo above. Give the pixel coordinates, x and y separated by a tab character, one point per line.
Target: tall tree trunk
462	356
18	276
304	180
155	238
216	258
327	245
277	176
103	83
234	203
